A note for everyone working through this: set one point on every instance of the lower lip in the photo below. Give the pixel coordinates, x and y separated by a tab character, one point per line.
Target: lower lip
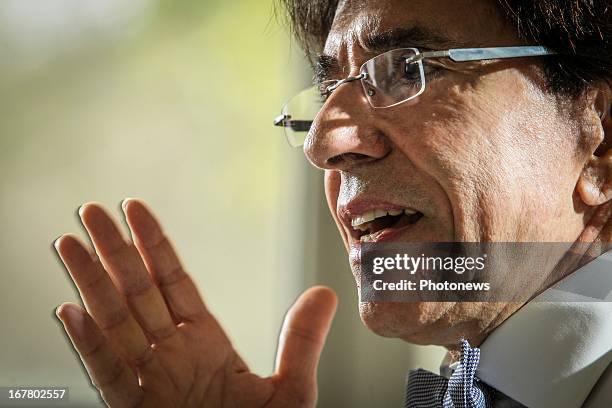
389	234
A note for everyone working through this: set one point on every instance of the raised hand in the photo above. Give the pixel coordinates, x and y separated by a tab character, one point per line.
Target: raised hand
147	339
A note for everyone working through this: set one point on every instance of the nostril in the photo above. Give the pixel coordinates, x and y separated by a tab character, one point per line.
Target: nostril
347	158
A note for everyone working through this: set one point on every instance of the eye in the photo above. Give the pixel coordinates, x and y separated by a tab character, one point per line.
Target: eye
412	71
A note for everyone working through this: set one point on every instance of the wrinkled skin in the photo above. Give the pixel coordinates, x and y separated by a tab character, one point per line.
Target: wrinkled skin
486	153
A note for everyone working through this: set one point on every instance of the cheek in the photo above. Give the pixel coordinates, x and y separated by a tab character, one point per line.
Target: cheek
454	141
489	146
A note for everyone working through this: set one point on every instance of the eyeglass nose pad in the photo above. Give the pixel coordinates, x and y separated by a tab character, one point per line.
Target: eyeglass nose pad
335	85
369	90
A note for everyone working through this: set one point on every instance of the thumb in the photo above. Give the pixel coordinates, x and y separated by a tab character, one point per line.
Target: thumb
302	338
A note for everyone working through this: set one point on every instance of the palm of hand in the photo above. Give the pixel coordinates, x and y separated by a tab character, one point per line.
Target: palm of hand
147	338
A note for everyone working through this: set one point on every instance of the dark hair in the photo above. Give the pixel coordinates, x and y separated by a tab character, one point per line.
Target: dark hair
579	30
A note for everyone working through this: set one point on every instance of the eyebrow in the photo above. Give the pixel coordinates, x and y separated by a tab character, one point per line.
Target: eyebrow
415	36
376	43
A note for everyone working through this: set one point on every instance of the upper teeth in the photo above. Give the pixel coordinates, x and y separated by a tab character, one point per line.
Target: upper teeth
372	215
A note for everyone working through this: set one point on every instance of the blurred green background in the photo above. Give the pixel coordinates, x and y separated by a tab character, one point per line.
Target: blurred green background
170	101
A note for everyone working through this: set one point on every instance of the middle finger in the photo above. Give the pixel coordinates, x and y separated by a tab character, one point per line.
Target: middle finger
126	268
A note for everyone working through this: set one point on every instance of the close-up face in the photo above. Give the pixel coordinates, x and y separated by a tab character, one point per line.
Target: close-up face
485	153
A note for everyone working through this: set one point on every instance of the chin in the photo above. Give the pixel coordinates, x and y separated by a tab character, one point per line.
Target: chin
421	323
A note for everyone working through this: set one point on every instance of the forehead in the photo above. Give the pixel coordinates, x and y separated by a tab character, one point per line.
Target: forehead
435	24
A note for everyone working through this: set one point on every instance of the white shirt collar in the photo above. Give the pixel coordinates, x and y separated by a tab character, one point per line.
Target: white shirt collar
554	349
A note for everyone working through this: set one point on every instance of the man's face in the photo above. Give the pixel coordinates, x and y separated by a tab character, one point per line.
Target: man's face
484	154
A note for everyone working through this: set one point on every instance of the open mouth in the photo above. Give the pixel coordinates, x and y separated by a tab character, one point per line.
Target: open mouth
378	225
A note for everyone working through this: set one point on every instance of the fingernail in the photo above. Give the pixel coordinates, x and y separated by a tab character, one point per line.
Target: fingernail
56	242
70	311
81	209
125	202
57	312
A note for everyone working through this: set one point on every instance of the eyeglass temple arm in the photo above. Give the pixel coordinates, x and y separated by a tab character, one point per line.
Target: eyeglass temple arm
476	54
285	120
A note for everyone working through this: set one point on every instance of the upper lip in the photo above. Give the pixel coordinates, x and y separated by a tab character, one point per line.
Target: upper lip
346	213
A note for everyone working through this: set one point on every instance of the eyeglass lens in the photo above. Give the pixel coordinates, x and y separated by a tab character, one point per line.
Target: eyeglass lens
391	79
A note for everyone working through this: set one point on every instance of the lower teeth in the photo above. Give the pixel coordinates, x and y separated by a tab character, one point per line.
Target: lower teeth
411	219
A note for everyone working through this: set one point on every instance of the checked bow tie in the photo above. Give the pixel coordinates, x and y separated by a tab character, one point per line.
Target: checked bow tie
425	389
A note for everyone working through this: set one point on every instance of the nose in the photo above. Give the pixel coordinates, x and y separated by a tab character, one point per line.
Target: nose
345	133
